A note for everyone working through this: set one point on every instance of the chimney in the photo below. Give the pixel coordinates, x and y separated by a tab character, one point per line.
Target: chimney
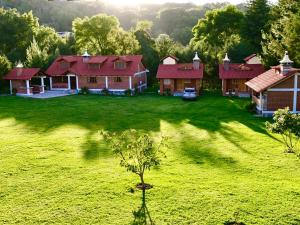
196	62
285	64
19	68
85	56
226	62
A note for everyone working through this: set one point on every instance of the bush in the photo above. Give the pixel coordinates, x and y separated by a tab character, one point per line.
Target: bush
167	92
14	91
128	92
287	125
251	107
105	92
84	91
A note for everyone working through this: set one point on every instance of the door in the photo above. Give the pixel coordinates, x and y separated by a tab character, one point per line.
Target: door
73	83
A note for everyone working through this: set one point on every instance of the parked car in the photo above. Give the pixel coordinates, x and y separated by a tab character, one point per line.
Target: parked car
189	94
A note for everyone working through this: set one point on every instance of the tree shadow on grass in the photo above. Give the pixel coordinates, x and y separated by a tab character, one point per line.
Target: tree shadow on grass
142	214
94	149
94	113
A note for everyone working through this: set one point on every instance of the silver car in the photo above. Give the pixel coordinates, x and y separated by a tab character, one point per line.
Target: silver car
189	94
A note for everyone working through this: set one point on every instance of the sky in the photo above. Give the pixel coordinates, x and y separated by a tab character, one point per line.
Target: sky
198	2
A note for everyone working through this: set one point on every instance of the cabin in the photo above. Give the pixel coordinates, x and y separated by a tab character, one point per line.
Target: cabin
277	88
25	81
234	75
96	73
174	77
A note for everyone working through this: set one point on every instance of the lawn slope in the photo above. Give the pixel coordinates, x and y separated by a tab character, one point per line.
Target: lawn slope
54	168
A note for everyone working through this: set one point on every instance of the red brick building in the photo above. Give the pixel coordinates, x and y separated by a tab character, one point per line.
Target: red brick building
174	76
25	81
277	88
115	73
234	75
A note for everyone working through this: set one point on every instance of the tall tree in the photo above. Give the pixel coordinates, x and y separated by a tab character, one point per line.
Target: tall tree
148	50
5	66
283	34
216	34
35	56
16	31
164	45
101	34
256	20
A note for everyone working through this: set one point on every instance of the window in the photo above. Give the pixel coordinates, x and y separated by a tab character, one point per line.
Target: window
60	79
118	79
94	66
64	65
92	79
187	81
167	81
235	83
120	65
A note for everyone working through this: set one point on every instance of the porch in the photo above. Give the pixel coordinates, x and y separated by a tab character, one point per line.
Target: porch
235	87
177	86
33	86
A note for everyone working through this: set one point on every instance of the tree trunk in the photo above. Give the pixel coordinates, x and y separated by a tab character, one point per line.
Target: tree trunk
142	180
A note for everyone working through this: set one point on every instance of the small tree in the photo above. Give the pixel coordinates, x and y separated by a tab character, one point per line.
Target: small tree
288	126
137	151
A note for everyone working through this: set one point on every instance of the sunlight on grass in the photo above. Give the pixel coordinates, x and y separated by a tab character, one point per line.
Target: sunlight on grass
56	169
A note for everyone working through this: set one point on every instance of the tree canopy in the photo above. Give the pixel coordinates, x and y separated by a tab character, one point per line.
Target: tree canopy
102	34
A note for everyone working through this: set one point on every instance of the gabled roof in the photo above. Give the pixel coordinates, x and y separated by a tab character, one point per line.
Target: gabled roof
269	79
185	71
240	71
22	73
249	57
79	67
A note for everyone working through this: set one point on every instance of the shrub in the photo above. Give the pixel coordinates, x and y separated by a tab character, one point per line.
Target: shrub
14	91
128	92
251	107
105	92
84	91
287	125
167	92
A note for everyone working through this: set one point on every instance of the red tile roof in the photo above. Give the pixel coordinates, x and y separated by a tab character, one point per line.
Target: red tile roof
22	73
249	57
269	78
180	71
240	71
78	67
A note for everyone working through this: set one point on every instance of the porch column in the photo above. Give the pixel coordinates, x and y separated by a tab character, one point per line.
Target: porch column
27	87
69	83
77	86
10	87
50	82
42	85
295	93
106	82
261	101
130	83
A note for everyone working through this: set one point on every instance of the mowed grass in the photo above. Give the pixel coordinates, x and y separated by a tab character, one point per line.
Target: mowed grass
55	168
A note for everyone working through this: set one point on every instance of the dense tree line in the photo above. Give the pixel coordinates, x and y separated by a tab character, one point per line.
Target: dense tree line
260	28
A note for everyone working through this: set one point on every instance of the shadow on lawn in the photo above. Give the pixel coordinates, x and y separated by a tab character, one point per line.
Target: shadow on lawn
142	215
94	113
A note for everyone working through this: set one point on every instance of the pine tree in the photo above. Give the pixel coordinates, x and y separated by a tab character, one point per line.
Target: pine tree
283	34
35	57
256	20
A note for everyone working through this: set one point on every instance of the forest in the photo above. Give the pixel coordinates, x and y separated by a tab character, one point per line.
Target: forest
29	32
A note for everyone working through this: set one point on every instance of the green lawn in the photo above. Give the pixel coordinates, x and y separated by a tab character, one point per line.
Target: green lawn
54	168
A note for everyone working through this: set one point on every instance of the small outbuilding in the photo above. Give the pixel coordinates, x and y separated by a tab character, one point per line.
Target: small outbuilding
277	88
234	75
26	81
174	77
